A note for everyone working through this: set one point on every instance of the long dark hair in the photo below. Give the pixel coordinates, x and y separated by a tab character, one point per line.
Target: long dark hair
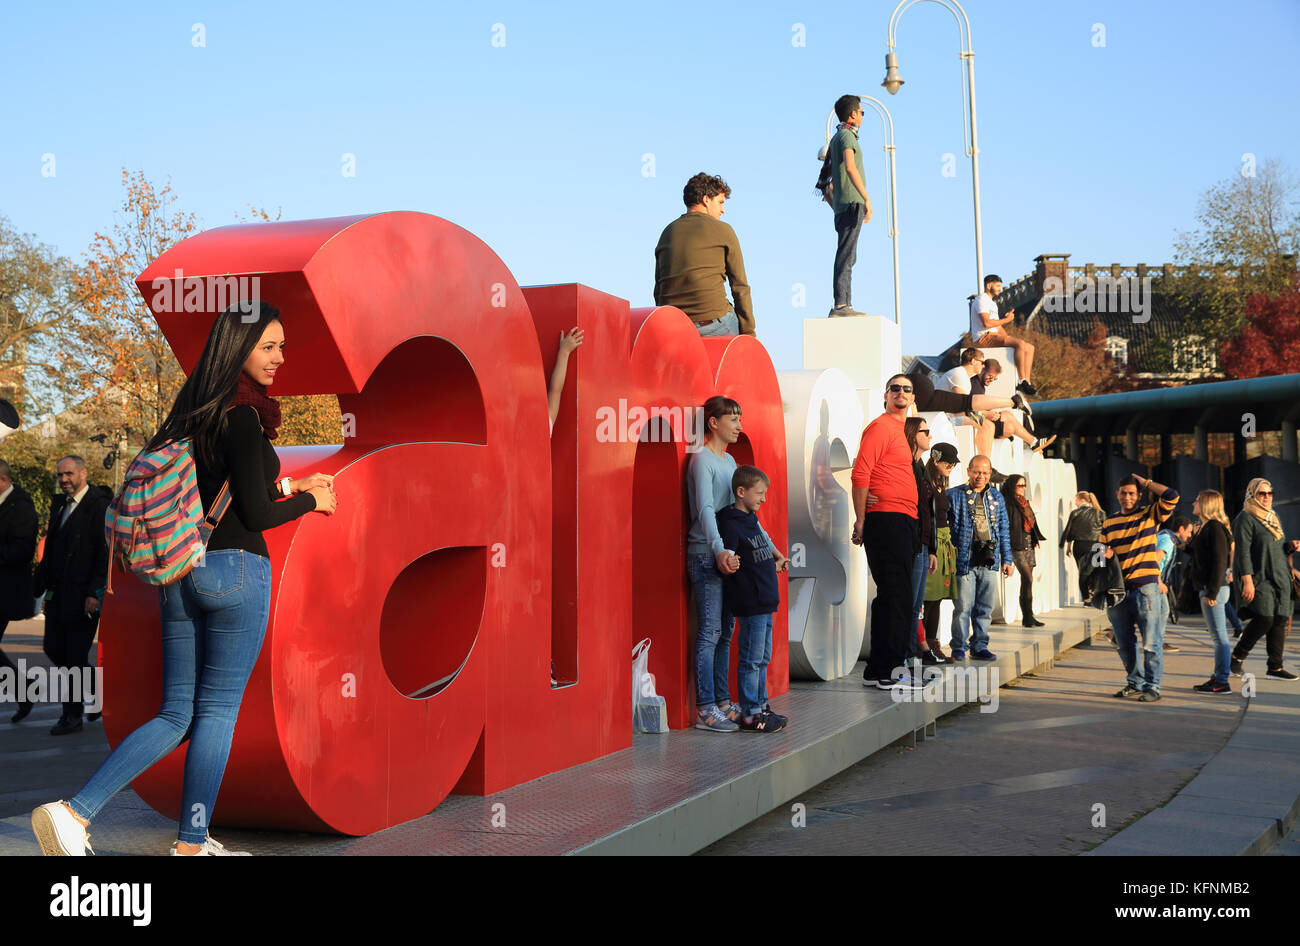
199	412
911	426
1009	494
1009	488
937	478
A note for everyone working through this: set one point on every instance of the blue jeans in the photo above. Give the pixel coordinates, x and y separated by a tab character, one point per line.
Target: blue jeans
755	655
848	224
920	571
713	636
729	324
1216	620
973	608
1141	612
1230	613
213	624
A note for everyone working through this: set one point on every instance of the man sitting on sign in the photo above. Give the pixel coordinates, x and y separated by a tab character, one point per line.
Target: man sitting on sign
986	331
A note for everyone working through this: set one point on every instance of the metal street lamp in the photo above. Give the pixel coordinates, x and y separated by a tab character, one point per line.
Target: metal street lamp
894	81
887	127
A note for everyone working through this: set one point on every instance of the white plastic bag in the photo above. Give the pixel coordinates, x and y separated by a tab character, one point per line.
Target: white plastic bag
649	710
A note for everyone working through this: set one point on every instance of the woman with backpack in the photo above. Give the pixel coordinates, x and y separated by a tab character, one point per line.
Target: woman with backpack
214	618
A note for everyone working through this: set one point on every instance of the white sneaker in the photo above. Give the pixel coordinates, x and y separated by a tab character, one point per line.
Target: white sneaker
211	848
58	833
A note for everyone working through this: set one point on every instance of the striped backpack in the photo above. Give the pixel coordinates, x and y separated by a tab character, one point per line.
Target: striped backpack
155	526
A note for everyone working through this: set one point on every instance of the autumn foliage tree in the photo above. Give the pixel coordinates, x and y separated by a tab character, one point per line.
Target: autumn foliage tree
114	354
1245	240
1270	342
115	362
1065	369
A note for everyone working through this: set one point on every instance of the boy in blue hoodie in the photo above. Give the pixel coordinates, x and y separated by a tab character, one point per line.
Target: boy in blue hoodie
751	593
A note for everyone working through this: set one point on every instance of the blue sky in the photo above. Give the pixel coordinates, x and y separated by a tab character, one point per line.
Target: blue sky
538	146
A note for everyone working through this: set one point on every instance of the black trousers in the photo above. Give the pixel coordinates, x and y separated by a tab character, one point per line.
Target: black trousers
930	615
4	658
1083	554
1026	583
889	541
67	644
1272	626
928	399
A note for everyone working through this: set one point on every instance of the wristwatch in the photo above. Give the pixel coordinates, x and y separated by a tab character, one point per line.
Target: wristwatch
286	486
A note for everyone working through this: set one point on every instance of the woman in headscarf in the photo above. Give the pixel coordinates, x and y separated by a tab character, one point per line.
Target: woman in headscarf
1261	565
1025	535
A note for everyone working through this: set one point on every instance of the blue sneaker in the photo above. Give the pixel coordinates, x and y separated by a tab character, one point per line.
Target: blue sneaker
957	654
983	655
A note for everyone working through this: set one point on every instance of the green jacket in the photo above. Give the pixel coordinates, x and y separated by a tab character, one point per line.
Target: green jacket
1260	556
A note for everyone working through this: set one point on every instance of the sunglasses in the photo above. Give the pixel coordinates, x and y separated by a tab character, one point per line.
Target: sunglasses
895	388
923	430
1263	492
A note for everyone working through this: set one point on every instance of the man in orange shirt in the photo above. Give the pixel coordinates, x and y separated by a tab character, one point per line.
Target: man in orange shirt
889	532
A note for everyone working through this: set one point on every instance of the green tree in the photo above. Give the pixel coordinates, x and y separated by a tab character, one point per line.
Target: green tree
1245	241
37	296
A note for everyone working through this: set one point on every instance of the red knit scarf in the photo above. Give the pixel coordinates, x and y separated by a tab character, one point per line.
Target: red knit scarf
249	391
1028	512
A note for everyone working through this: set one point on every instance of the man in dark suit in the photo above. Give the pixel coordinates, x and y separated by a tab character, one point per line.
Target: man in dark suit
17	549
72	575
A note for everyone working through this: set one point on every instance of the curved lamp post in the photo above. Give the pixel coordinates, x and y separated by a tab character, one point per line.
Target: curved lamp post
887	128
894	81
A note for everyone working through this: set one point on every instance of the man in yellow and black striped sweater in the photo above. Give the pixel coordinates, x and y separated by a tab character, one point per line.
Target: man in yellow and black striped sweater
1130	534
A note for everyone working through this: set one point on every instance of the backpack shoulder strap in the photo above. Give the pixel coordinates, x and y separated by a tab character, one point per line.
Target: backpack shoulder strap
212	518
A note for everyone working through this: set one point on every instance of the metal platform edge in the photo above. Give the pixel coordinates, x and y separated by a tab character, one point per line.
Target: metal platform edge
699	821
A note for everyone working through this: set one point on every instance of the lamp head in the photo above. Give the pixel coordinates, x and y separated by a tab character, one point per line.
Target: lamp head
893	81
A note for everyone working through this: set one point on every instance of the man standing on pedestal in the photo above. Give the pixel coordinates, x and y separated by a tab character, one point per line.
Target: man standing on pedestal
889	533
849	200
697	255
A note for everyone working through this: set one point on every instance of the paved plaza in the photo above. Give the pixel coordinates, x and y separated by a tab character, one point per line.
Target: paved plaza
1058	769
